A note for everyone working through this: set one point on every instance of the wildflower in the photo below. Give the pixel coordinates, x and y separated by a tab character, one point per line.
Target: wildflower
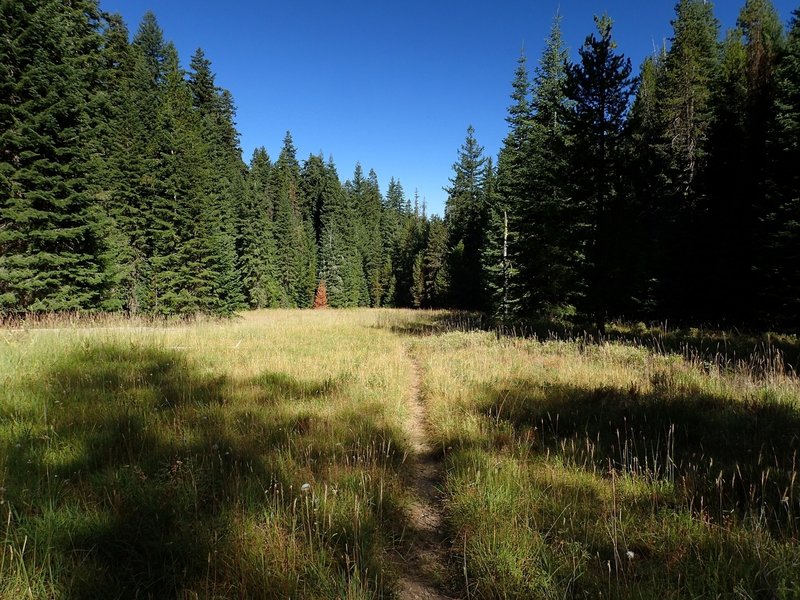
305	488
630	554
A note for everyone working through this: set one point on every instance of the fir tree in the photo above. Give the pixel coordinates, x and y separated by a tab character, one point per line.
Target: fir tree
295	251
783	281
436	277
465	215
496	259
50	251
225	188
541	223
256	240
600	87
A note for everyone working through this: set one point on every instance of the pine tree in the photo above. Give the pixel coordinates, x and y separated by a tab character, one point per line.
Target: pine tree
783	281
256	241
600	87
392	217
648	179
762	32
108	158
135	158
225	188
686	116
183	275
50	247
294	237
541	224
341	262
466	215
726	222
497	263
373	244
513	197
435	275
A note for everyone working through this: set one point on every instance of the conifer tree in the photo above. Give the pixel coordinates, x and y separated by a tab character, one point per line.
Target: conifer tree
256	240
134	160
685	104
183	275
541	224
600	86
466	214
514	190
497	262
108	152
50	246
294	238
225	188
435	274
783	273
647	179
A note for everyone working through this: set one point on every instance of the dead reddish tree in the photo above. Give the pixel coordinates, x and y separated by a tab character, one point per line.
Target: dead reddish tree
321	297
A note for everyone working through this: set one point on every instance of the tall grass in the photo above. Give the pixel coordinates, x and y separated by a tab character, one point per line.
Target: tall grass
258	458
264	457
614	469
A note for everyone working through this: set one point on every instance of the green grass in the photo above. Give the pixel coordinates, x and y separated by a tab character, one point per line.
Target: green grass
610	470
167	460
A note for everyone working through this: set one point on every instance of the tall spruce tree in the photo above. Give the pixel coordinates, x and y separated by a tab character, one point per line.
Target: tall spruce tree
340	261
50	246
600	86
108	150
466	215
256	240
225	187
435	274
183	277
647	179
543	223
762	32
134	160
497	263
690	66
370	211
294	236
782	281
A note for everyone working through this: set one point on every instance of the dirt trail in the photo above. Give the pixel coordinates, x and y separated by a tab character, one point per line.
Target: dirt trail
424	569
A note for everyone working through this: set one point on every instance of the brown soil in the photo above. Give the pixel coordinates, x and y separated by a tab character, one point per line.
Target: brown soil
424	568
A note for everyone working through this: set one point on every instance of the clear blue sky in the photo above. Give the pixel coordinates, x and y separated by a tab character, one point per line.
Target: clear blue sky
390	84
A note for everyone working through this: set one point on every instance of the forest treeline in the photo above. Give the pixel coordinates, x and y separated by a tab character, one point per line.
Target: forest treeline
123	186
671	195
674	194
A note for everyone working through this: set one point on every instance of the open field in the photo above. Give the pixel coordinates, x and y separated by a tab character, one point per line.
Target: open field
379	453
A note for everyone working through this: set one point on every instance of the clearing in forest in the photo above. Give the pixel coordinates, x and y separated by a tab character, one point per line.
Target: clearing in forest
387	453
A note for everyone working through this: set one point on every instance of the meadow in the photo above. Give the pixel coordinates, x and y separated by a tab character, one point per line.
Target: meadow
289	454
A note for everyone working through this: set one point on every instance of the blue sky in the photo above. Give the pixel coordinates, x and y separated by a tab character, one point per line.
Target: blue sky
393	85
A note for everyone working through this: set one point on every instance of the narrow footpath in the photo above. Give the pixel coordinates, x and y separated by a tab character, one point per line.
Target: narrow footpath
425	567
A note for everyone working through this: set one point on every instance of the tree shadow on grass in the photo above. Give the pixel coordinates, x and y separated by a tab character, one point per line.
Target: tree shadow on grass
131	486
724	455
761	353
432	323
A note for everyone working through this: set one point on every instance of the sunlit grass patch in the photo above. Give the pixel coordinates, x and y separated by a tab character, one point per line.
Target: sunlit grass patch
611	469
254	458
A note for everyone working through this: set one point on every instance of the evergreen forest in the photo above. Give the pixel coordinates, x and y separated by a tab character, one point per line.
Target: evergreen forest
671	194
